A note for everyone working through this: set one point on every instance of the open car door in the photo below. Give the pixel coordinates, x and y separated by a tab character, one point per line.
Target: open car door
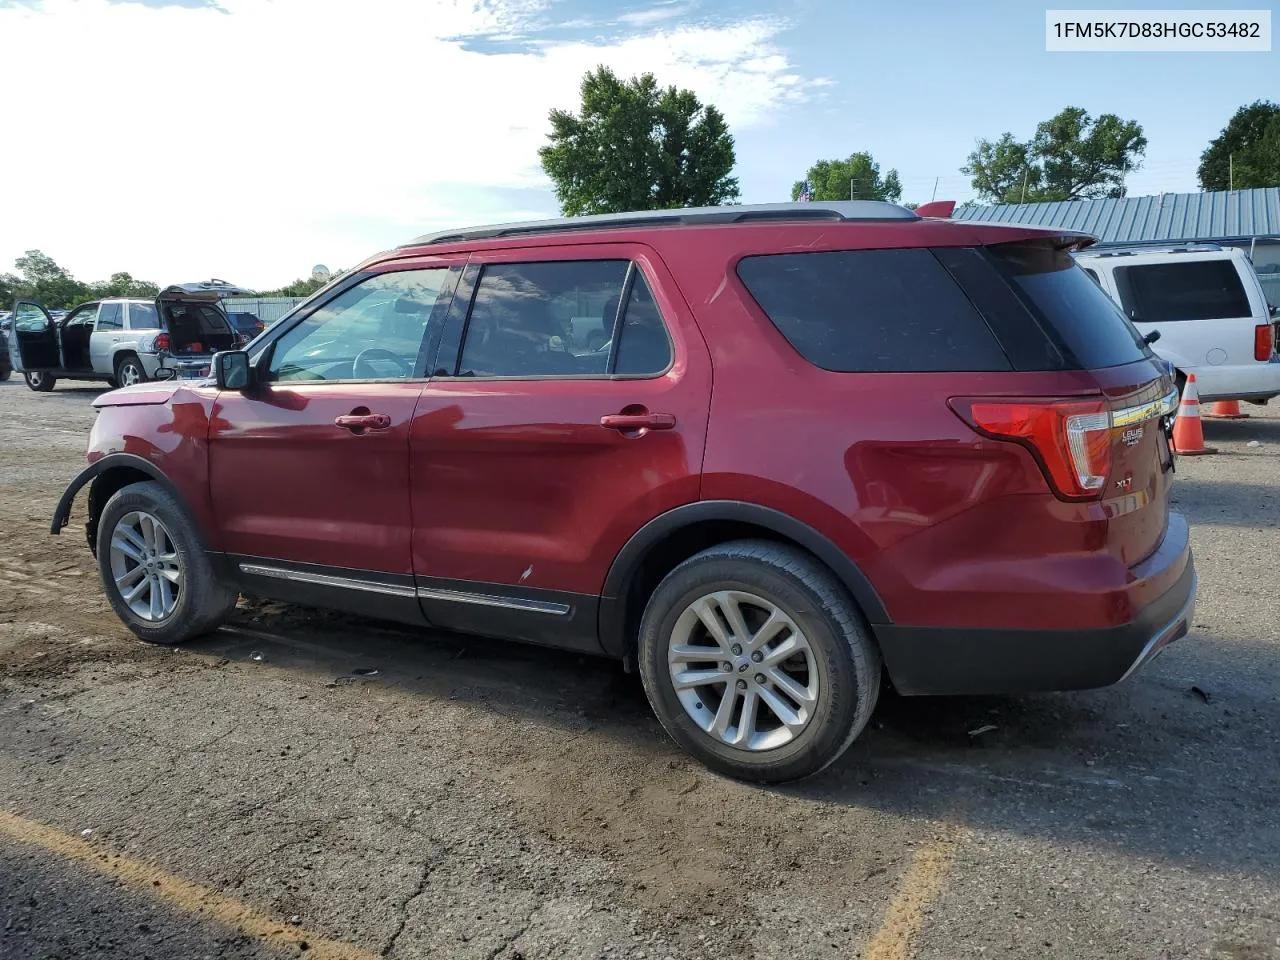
33	339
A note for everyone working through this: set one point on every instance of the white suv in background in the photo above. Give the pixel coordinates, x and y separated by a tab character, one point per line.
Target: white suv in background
1209	307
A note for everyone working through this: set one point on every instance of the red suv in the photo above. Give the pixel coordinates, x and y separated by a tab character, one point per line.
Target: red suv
762	454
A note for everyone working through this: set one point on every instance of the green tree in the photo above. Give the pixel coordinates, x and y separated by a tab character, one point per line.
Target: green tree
1247	152
50	284
123	285
638	146
302	287
1072	156
857	178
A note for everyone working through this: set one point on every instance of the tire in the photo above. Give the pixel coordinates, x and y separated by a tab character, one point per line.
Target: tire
39	381
129	370
842	661
5	373
199	604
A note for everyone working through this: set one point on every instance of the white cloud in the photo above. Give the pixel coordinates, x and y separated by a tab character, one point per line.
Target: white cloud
252	141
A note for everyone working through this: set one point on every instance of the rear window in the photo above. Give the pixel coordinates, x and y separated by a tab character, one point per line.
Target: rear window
872	311
1079	311
1183	290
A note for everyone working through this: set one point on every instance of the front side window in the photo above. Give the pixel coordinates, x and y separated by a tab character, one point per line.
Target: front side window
110	317
373	331
1182	290
564	319
28	318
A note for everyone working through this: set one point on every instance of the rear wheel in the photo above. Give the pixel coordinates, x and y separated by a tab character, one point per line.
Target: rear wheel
756	661
5	373
157	576
39	381
129	370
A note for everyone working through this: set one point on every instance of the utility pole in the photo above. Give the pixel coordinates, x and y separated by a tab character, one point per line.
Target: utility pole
1025	171
1231	171
851	182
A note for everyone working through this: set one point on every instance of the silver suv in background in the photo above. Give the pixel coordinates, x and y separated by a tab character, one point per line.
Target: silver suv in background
124	340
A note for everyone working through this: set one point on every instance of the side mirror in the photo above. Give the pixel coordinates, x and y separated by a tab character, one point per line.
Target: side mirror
232	371
1151	337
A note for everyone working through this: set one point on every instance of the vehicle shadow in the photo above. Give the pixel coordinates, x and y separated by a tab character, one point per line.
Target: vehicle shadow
1159	767
1227	502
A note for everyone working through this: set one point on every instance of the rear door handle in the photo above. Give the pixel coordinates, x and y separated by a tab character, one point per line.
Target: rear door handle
363	421
638	421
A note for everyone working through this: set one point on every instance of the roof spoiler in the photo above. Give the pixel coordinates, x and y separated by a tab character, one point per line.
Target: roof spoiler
937	208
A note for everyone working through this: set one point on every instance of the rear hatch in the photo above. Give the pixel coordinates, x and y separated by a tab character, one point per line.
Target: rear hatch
192	316
1107	444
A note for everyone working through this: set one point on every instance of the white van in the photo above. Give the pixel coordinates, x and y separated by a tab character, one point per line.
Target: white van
1209	307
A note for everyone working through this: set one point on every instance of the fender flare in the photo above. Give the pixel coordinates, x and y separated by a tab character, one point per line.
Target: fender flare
62	513
633	552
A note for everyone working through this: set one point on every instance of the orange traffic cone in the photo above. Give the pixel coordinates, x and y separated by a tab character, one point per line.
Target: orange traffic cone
1225	410
1188	434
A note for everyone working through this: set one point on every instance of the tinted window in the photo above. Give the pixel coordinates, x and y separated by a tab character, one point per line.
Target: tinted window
1079	311
110	317
142	316
643	344
872	310
373	331
1186	290
543	319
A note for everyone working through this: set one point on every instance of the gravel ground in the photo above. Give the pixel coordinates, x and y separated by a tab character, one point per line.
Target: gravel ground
475	799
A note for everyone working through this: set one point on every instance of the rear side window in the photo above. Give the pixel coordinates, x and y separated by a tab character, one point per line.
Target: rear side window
109	317
562	319
142	316
1186	290
1079	311
872	311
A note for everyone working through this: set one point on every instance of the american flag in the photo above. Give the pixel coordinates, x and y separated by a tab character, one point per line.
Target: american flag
806	193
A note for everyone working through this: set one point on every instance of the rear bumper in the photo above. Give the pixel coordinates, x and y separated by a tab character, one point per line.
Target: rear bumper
935	660
1246	381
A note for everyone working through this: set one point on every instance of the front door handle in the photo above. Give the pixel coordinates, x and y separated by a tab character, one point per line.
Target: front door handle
360	422
638	421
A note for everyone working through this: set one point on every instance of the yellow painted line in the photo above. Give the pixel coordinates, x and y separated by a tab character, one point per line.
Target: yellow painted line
192	898
919	886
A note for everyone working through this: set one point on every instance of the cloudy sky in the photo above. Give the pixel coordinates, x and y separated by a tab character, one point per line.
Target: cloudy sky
250	139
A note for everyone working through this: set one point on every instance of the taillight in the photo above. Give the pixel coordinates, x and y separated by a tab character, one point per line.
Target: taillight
1263	341
162	341
1070	438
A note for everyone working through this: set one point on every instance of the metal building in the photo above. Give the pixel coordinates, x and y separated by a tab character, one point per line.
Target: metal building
1249	219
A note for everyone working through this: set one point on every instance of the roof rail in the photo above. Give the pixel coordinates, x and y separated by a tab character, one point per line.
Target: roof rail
1130	250
836	211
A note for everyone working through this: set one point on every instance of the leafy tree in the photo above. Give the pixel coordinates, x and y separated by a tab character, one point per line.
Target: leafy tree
1247	152
857	178
1072	156
10	290
123	285
45	281
302	287
638	146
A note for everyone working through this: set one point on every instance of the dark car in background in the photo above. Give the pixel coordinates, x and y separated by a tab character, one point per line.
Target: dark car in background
247	325
6	364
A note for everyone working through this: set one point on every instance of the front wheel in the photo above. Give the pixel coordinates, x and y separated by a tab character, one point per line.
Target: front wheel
756	660
39	381
157	577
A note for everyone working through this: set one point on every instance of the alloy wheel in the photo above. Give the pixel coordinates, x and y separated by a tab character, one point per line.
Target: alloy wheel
146	566
743	670
129	374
